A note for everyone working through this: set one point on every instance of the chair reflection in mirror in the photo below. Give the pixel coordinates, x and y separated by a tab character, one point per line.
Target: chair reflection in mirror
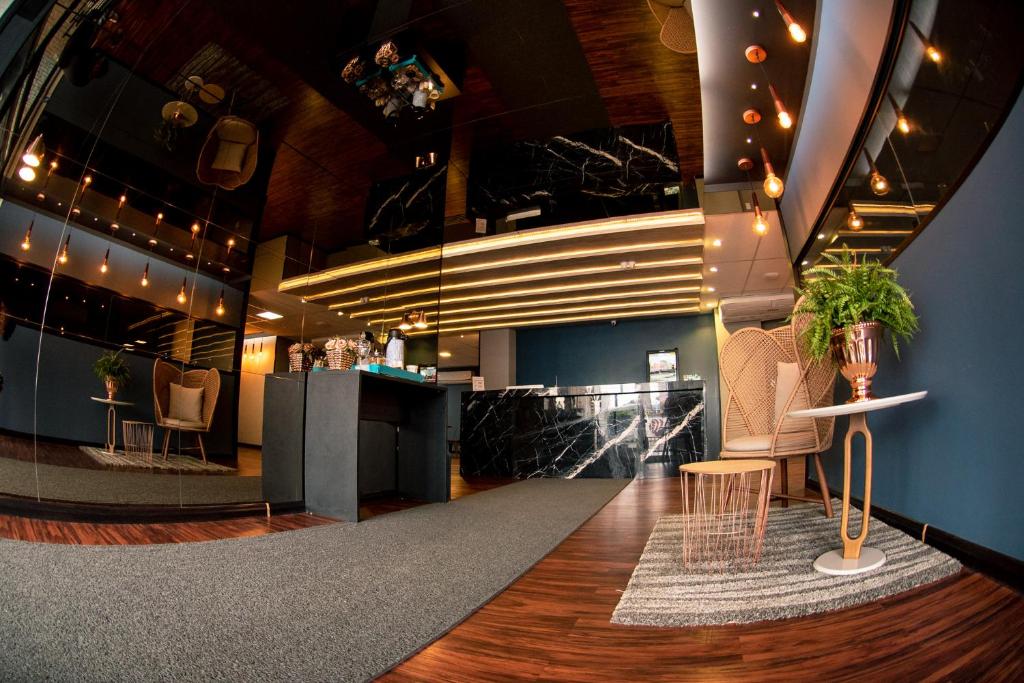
184	401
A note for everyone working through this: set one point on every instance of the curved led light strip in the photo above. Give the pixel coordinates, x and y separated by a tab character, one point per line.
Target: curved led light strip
612	307
510	293
522	304
520	238
511	279
565	319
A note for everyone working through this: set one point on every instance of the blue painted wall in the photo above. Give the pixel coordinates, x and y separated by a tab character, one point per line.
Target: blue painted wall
581	355
956	459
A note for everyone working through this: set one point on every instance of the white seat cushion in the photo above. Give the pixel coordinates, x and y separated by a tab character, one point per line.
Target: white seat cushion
186	404
182	424
748	444
786	378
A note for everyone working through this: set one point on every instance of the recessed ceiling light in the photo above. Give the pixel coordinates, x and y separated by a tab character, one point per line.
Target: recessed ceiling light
269	315
140	341
710	289
753	86
716	243
756	14
341	312
445	354
713	269
821	235
749	140
804	263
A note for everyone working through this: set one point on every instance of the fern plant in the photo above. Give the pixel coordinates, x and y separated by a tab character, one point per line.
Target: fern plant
112	365
844	292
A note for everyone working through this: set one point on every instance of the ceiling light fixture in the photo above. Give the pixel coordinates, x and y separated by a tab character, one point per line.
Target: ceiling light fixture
760	222
63	258
406	323
773	185
27	173
105	266
902	123
145	276
269	315
35	152
796	31
929	49
785	120
529	322
713	269
877	181
181	292
26	243
220	303
445	354
716	242
853	221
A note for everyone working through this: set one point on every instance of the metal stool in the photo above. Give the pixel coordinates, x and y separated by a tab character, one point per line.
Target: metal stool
720	529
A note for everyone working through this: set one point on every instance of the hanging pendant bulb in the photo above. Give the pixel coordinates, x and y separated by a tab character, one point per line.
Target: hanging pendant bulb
878	183
122	200
159	217
105	266
902	122
34	153
406	323
181	292
220	304
760	222
796	31
63	258
930	51
261	348
145	276
773	185
26	243
27	173
854	221
420	321
231	244
785	120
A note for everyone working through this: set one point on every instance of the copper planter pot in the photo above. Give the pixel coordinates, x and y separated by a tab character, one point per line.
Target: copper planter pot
856	350
111	388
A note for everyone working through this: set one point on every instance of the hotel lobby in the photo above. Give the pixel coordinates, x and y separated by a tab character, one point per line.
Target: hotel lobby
454	340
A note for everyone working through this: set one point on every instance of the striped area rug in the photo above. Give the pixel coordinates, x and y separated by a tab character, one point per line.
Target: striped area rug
783	584
119	460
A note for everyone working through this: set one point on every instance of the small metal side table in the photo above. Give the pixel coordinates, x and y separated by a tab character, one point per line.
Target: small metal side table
111	419
720	528
853	557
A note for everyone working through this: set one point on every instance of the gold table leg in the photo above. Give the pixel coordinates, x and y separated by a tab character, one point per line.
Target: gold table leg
111	429
853	558
851	546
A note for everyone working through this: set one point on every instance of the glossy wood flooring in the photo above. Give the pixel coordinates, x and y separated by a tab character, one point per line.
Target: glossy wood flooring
553	624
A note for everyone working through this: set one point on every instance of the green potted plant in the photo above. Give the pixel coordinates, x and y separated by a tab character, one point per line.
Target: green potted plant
850	306
113	369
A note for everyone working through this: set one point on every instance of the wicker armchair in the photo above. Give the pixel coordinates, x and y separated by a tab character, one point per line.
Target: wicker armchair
165	374
749	363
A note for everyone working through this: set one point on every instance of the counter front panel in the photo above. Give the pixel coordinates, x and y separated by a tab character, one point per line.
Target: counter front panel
613	431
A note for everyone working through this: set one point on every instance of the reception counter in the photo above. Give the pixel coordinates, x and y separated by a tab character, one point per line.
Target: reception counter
611	430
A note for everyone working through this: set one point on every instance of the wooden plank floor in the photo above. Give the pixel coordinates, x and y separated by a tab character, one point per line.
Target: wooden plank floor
553	624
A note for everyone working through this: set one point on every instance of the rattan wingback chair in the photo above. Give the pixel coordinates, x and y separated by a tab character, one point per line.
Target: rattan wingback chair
166	374
749	364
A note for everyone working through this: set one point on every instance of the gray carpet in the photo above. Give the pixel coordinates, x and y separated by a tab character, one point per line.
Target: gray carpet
783	584
17	477
342	602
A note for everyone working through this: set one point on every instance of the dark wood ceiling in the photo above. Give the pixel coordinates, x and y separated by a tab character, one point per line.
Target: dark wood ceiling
641	80
529	68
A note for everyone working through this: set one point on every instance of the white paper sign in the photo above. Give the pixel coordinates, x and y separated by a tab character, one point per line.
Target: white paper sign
478	384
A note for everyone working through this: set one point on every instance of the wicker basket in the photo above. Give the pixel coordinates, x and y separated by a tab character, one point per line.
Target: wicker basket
298	361
340	359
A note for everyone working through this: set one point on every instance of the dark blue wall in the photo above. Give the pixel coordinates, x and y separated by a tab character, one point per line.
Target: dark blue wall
581	355
956	459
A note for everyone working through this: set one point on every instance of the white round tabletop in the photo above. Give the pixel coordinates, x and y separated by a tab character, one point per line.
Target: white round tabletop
110	402
859	407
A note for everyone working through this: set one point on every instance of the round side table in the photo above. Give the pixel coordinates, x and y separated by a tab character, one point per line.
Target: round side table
720	528
111	419
853	557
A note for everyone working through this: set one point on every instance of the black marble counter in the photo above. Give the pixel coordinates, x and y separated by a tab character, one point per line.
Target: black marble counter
612	430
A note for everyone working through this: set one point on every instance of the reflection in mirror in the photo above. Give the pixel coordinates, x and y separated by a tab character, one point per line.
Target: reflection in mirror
933	121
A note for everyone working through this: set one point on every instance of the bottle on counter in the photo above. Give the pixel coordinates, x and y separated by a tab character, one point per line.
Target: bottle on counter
395	353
